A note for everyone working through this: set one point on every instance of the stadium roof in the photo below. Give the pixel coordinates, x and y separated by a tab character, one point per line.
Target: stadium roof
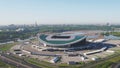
76	38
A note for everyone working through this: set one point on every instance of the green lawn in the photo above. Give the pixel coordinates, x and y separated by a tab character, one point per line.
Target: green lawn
6	47
108	63
63	65
116	33
42	64
45	64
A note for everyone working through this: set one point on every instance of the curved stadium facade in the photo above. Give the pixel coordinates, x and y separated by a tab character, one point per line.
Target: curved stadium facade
61	40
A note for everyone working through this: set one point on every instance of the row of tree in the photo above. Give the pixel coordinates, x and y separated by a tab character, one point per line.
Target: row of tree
32	31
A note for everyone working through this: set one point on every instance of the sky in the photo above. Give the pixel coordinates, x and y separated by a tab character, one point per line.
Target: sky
59	11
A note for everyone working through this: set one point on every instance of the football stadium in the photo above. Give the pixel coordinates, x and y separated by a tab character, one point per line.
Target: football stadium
61	40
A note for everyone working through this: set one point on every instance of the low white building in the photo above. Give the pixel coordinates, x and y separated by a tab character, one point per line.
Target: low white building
55	59
95	58
110	51
99	40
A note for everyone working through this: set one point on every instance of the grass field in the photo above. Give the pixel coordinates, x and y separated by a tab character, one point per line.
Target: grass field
45	64
6	47
42	64
108	63
3	48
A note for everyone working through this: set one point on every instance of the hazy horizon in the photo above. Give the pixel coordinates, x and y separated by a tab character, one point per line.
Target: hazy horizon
59	12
